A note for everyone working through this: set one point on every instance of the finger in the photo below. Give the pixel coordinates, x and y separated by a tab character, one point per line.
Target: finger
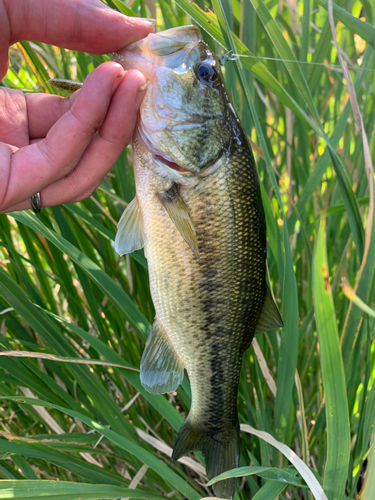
4	41
36	166
87	25
44	110
105	148
13	117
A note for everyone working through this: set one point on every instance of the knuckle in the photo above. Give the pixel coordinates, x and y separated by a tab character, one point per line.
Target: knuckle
65	105
13	114
5	160
48	154
87	121
80	188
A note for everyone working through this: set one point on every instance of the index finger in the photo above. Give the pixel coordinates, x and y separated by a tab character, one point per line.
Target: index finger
86	25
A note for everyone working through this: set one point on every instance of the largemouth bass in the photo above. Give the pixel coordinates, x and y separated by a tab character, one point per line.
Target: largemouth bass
198	214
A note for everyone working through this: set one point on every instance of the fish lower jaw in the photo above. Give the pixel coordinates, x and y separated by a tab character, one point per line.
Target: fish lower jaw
166	169
164	164
160	159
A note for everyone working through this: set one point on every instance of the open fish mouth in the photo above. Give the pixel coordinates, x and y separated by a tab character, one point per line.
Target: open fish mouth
141	54
163	160
170	165
168	49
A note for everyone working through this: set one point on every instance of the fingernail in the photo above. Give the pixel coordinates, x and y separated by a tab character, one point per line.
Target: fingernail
145	86
145	19
121	73
139	96
118	66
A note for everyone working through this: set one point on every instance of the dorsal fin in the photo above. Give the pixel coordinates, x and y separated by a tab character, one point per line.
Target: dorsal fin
129	235
179	213
270	316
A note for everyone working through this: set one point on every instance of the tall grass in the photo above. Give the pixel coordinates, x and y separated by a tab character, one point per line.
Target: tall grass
75	421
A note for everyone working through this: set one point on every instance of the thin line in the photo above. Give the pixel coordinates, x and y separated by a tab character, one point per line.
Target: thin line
333	66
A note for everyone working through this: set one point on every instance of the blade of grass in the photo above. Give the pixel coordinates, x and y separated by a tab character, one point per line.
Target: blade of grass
287	476
146	457
97	275
61	490
361	28
301	467
336	404
368	493
52	357
286	54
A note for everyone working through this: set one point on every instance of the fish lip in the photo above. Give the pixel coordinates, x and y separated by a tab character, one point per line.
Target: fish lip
168	165
177	37
141	54
162	159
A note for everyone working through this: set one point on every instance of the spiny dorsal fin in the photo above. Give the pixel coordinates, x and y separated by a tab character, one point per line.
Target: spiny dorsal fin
162	371
129	235
270	316
178	212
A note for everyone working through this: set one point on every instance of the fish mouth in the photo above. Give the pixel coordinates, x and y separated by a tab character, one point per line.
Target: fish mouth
172	40
141	54
170	164
165	161
171	49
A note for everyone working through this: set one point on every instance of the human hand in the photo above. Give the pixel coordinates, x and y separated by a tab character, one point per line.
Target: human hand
63	147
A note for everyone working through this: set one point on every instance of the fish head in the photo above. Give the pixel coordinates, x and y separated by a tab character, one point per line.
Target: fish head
184	117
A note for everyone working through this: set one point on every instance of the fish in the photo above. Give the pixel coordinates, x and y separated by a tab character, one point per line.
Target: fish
199	216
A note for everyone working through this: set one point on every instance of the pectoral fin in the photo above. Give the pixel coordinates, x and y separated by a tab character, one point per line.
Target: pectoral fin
129	235
179	213
162	371
270	316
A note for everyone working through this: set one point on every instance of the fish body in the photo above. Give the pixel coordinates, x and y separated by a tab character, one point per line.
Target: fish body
199	215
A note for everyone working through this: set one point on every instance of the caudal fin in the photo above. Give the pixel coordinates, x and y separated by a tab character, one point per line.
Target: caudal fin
221	451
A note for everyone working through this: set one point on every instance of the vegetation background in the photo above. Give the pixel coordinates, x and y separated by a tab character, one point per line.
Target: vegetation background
74	316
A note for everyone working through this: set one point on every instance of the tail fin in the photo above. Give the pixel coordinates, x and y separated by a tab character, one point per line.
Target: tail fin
221	451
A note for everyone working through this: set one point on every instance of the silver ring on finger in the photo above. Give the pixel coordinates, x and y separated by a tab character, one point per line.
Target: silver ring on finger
36	203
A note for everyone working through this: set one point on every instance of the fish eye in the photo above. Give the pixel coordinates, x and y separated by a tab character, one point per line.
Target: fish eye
206	72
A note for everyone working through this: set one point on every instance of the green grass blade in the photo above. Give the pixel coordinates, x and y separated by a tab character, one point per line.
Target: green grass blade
361	28
61	490
97	275
287	476
269	491
41	451
146	457
336	404
287	55
368	493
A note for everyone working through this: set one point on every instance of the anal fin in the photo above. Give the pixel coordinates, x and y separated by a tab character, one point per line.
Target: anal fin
270	316
130	234
162	371
177	210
